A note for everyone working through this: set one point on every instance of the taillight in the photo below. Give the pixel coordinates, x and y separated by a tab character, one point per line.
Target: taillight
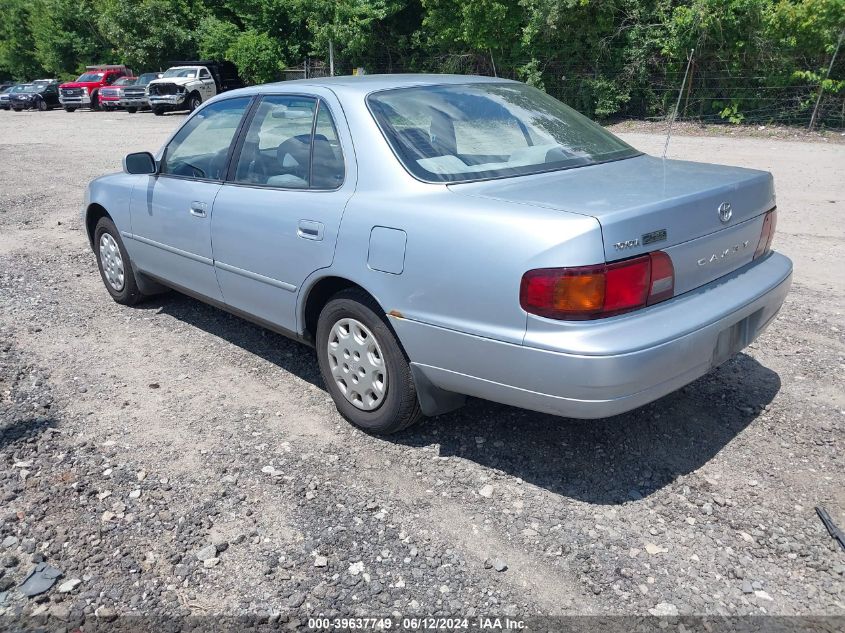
594	292
764	245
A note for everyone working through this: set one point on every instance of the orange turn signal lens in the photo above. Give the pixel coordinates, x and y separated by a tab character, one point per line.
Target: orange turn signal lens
592	292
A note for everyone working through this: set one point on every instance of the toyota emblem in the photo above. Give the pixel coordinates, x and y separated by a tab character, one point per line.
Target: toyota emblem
725	212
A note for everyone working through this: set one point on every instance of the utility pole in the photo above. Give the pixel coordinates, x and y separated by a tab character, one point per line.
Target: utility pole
821	83
331	58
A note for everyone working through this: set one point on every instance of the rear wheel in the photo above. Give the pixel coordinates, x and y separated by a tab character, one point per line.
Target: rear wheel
365	369
113	262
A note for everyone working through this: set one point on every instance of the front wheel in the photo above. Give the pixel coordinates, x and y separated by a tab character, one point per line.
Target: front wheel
131	110
194	101
113	262
42	105
365	369
70	109
158	111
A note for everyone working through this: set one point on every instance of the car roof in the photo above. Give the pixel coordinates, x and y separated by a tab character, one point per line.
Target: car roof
365	84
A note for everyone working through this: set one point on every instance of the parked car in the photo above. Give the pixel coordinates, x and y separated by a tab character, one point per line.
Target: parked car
134	97
6	95
84	92
41	94
186	85
110	96
437	237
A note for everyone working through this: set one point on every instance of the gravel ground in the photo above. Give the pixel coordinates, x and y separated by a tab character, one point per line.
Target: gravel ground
172	460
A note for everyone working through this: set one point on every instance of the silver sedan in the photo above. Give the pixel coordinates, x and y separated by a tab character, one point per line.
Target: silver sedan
436	237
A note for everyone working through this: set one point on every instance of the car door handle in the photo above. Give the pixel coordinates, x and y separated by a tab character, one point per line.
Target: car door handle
198	209
310	230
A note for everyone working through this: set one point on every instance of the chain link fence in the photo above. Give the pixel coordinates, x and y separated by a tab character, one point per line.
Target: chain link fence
708	96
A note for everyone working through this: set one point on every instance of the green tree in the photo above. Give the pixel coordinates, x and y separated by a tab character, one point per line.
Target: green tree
17	43
148	34
66	35
257	56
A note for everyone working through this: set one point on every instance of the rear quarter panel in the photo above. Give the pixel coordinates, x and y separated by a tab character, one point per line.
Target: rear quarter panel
464	257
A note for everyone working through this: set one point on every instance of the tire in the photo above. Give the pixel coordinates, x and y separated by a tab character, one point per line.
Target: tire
18	109
131	110
42	105
398	408
158	111
95	102
69	109
127	292
194	101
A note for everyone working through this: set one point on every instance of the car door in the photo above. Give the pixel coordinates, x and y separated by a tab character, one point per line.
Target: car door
171	210
276	219
207	86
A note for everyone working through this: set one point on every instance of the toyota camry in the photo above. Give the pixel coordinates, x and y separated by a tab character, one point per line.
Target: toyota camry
435	237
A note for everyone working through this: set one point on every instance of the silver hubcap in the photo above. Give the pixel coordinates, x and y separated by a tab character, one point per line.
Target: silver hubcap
357	364
111	261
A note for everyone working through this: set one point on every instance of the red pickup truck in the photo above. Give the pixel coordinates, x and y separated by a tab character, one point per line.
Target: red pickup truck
84	92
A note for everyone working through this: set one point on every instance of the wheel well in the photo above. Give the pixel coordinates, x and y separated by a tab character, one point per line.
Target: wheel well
319	296
92	216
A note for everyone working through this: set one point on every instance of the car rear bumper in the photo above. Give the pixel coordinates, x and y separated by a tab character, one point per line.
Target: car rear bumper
601	368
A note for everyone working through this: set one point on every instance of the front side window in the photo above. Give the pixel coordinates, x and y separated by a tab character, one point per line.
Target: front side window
455	133
204	74
285	147
201	147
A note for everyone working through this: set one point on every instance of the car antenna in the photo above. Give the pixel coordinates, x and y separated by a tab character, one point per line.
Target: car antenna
678	104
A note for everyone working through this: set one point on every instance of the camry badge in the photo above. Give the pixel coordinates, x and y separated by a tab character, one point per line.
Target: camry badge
725	212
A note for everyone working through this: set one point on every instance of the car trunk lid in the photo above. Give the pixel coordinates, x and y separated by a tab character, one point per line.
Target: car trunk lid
645	204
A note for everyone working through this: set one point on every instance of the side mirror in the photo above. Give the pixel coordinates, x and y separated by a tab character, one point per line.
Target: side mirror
139	163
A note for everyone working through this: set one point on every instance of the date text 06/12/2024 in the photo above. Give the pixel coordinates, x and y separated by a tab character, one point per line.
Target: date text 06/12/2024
417	624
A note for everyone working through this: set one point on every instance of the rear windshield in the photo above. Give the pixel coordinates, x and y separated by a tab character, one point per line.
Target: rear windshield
124	81
456	133
146	78
90	77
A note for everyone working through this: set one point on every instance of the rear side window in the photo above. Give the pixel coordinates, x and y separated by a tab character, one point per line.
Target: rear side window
327	166
291	143
201	147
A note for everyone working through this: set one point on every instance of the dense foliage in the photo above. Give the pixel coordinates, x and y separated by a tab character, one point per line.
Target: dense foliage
755	60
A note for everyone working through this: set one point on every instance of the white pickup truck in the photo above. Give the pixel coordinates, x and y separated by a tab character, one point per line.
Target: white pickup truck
185	85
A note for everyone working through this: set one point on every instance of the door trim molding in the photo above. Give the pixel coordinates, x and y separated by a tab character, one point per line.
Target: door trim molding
169	249
255	276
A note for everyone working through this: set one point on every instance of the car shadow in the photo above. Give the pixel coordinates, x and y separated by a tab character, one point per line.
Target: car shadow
607	461
21	430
